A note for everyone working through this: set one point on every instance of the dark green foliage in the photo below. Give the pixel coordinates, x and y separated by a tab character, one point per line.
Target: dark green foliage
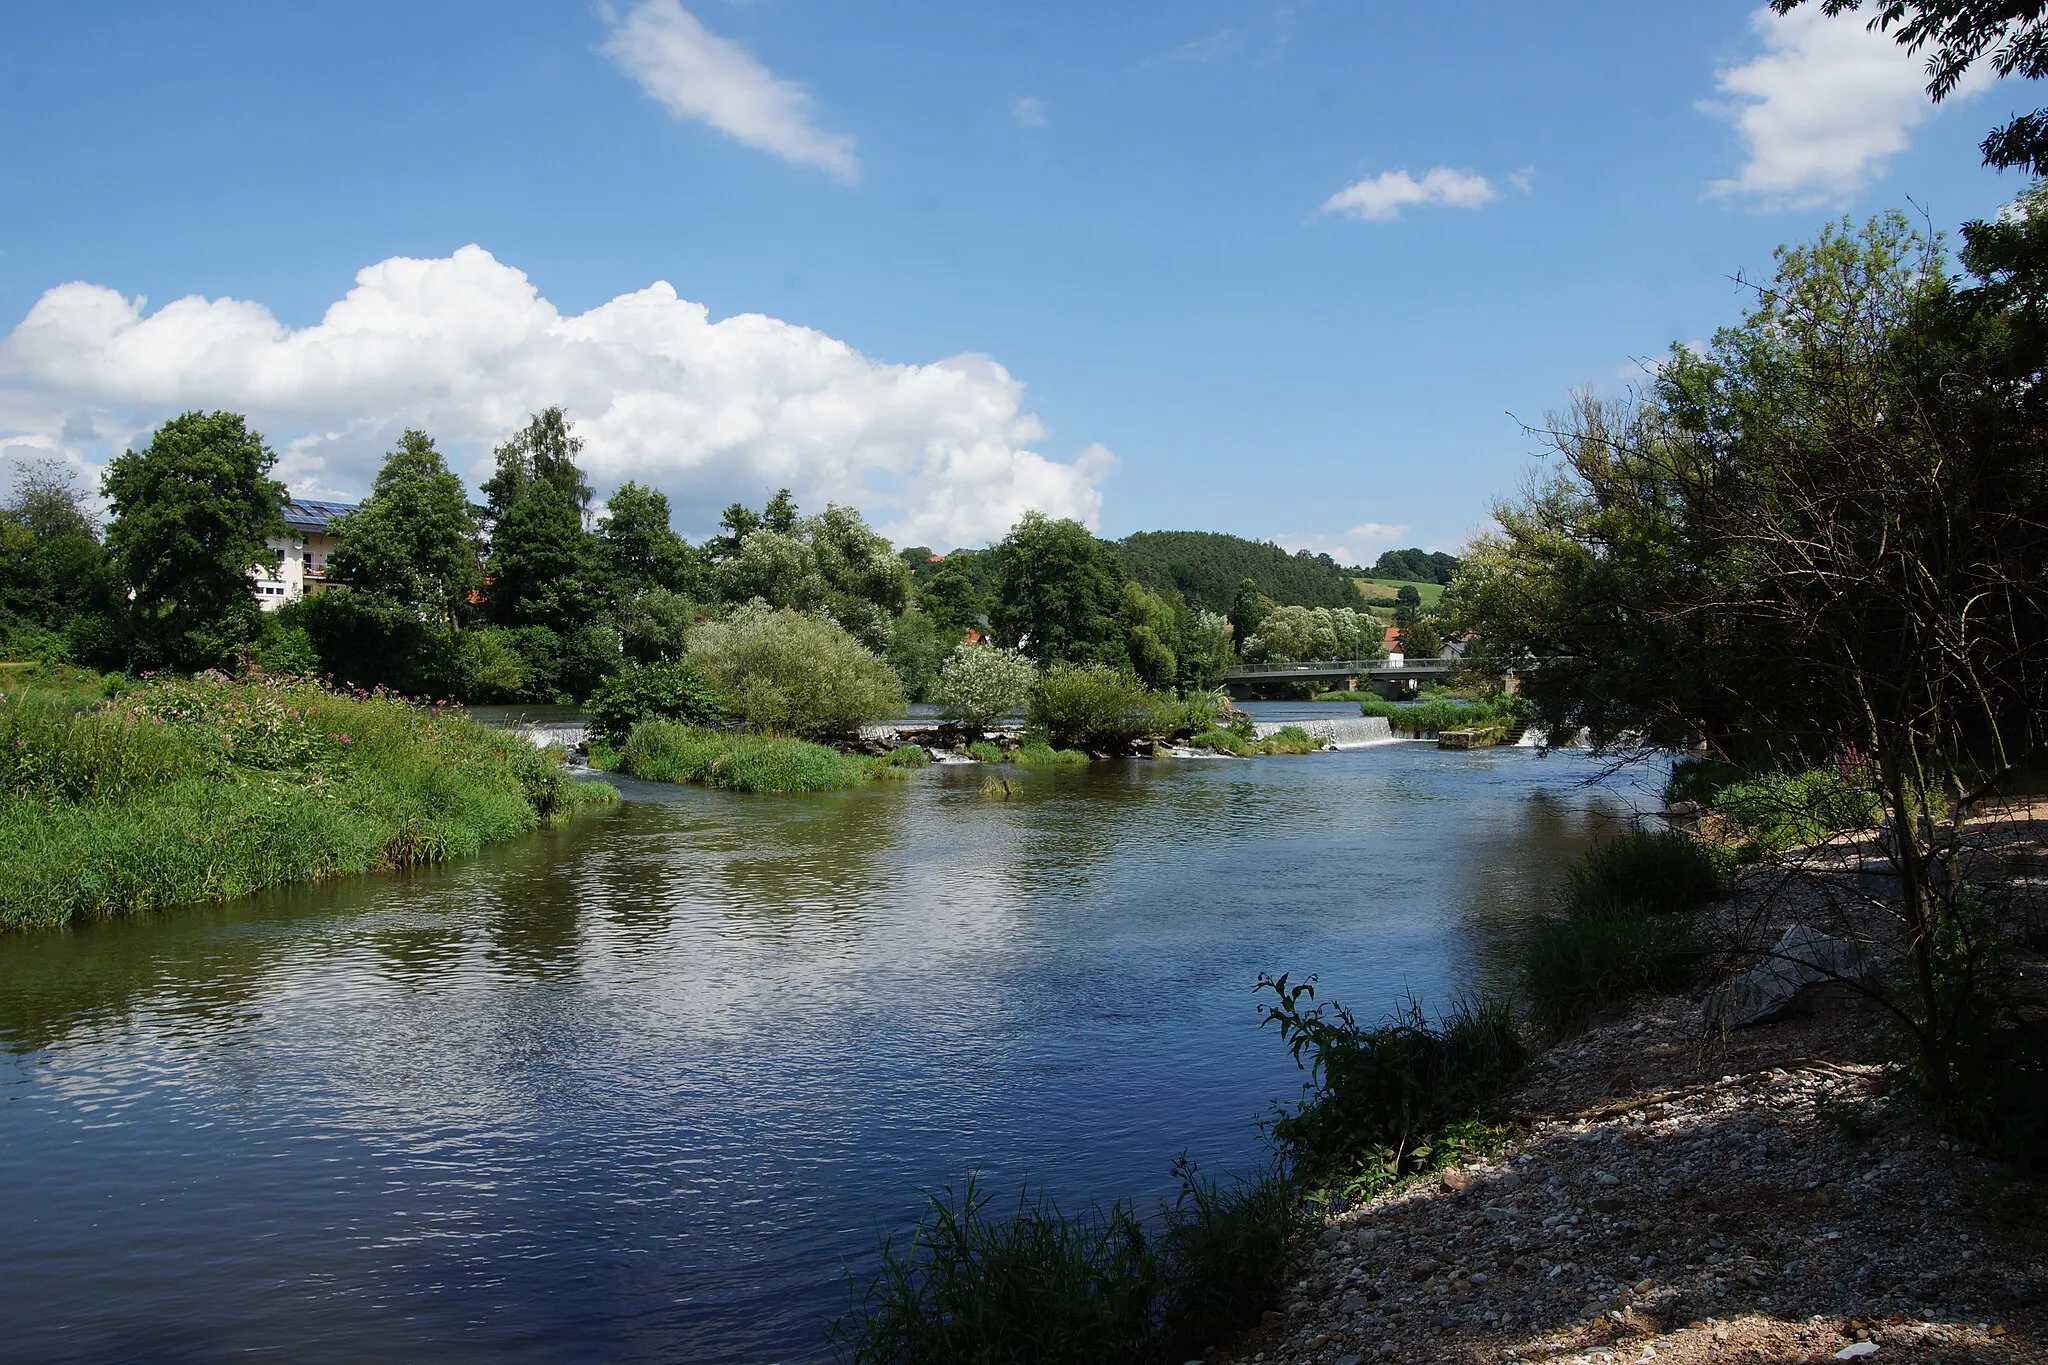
53	569
1089	706
1059	594
1385	1102
918	646
413	541
1248	608
668	691
365	639
544	451
544	565
1208	567
1041	1288
1407	596
1415	566
191	514
953	594
639	549
1664	873
1773	812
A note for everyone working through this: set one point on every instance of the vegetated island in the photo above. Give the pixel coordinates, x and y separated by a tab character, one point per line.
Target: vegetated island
124	796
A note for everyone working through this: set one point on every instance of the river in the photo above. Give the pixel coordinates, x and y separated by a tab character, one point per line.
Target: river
643	1087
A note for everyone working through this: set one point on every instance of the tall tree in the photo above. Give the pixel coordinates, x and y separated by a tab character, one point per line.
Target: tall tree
1059	594
413	542
1248	610
192	513
51	560
544	565
543	451
641	550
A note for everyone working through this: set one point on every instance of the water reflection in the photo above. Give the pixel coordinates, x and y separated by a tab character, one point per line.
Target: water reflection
637	1087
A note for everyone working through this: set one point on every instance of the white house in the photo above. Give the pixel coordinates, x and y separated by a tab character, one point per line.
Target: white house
302	553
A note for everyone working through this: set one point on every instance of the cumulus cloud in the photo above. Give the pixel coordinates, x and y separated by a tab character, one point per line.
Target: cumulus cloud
1382	198
1821	109
465	347
698	75
1359	545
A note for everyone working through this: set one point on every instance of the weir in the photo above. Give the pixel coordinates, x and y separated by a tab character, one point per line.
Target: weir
1342	732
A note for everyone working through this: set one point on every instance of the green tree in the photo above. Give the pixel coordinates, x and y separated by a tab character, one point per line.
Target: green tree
830	564
950	595
1150	627
918	646
1059	594
53	569
544	451
1248	610
193	511
1421	641
544	566
1408	595
641	550
413	542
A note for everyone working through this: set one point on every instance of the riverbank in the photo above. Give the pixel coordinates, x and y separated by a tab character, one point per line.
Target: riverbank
126	798
1770	1194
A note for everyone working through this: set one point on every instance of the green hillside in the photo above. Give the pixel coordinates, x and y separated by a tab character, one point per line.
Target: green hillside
1205	567
1381	591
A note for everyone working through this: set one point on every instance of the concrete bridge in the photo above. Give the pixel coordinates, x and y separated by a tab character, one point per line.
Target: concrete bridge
1342	674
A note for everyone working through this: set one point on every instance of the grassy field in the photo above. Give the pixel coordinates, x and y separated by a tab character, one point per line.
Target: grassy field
1381	591
125	798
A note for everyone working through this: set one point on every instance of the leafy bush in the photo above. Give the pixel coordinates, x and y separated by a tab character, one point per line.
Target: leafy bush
1386	1102
1187	716
1664	873
1601	951
790	674
663	751
984	752
908	756
1089	706
1291	739
666	691
1434	716
1778	811
979	684
1045	1288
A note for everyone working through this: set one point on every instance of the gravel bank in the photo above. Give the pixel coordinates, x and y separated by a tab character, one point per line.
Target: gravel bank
1767	1197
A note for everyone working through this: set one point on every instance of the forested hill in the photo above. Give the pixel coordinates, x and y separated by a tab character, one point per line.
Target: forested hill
1207	566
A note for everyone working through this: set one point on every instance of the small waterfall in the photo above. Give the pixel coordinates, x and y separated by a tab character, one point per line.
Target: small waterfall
540	734
1345	734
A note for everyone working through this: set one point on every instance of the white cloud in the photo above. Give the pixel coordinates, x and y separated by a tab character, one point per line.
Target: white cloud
1029	112
465	347
1382	198
1359	545
699	75
1821	109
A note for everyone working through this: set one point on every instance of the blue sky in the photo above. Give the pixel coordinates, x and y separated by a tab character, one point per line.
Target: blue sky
1288	270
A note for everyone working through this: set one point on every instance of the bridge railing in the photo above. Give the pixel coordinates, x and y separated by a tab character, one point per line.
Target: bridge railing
1380	665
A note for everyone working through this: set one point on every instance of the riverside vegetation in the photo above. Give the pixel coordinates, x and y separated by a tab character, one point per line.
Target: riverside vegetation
125	796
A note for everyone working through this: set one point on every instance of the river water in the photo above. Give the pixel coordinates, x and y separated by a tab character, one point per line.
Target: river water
646	1086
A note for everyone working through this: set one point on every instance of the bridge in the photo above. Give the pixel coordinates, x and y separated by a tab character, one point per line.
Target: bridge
1345	671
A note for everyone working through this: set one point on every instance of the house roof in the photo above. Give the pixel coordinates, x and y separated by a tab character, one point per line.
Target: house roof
309	515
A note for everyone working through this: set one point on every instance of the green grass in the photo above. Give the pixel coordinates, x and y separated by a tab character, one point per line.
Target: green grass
664	751
982	751
1043	755
1664	873
1430	593
1289	739
1601	952
173	792
1433	717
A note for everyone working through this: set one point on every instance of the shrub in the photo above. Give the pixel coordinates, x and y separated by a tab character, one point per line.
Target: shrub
1040	1286
1043	755
1778	811
663	751
1291	739
978	684
1089	706
667	691
486	667
908	756
1664	873
1386	1102
791	674
1440	714
984	752
1601	951
1224	741
1187	716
